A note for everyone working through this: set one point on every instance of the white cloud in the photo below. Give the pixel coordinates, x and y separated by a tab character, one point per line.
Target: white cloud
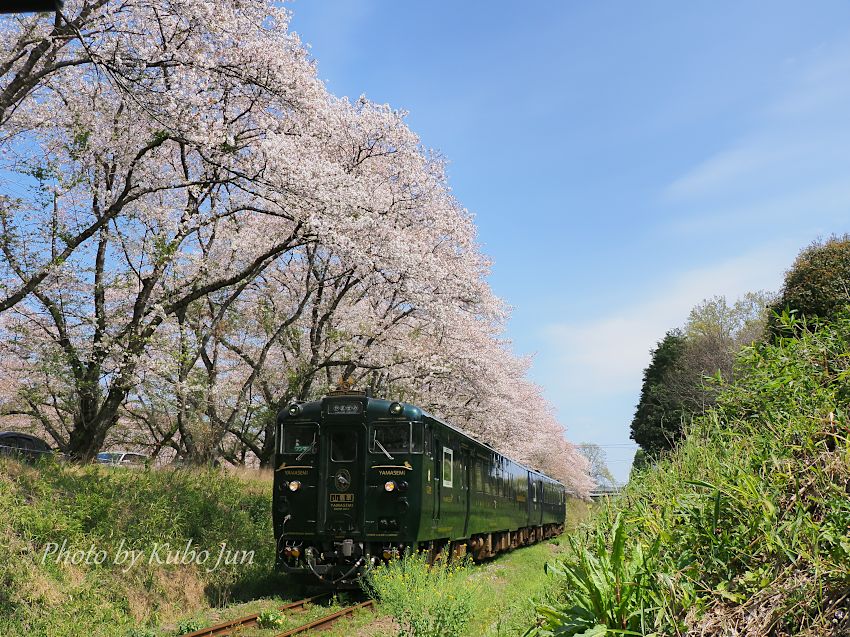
792	164
737	167
606	355
823	205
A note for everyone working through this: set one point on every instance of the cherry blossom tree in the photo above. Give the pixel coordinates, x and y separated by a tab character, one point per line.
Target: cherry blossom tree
193	231
176	166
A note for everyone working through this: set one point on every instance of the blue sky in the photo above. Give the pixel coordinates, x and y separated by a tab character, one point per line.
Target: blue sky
623	160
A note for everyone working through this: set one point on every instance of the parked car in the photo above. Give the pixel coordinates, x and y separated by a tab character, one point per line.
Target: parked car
122	458
186	463
25	446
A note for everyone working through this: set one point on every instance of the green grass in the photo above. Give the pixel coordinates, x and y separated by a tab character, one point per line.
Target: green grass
496	598
509	587
91	506
291	619
86	506
744	529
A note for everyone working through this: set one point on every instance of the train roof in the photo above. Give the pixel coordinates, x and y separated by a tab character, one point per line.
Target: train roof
377	408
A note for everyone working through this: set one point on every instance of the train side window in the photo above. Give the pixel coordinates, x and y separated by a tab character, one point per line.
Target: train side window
448	467
479	476
343	446
534	491
418	436
393	438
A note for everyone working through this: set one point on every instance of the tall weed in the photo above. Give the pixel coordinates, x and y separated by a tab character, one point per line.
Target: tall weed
427	600
611	589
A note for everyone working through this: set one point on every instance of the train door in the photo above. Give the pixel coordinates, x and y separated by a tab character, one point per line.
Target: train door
539	515
344	481
534	507
543	495
466	495
436	480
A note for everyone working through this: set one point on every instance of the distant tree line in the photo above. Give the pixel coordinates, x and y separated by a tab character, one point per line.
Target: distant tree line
689	365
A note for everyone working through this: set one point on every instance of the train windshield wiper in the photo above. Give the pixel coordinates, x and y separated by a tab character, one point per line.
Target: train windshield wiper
311	448
381	447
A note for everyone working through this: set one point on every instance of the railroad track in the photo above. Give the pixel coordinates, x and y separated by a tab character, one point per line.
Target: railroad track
250	621
327	620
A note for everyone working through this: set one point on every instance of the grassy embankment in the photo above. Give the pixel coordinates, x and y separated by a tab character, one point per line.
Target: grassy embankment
42	591
745	529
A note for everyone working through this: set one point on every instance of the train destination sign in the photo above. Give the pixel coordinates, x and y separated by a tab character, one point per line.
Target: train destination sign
348	408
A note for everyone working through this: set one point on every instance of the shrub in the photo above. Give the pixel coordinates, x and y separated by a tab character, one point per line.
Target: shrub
271	619
188	626
427	600
610	587
818	284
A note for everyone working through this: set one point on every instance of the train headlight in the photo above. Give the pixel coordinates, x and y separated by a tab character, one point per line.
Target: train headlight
295	552
293	409
294	485
396	409
390	486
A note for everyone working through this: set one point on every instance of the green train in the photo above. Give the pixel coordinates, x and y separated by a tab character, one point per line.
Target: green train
359	480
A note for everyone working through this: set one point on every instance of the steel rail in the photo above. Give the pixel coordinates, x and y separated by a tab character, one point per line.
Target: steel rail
225	628
327	619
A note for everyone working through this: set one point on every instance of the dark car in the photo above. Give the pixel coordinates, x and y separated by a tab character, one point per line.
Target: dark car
26	446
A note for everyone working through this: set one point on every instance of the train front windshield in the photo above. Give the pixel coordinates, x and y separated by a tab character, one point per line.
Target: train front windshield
299	439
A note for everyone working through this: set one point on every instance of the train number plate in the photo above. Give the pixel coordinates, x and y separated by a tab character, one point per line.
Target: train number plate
342	501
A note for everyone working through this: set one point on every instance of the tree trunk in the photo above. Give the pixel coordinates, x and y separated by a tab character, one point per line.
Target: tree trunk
89	432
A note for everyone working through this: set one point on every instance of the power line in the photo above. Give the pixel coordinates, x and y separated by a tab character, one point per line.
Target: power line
612	446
